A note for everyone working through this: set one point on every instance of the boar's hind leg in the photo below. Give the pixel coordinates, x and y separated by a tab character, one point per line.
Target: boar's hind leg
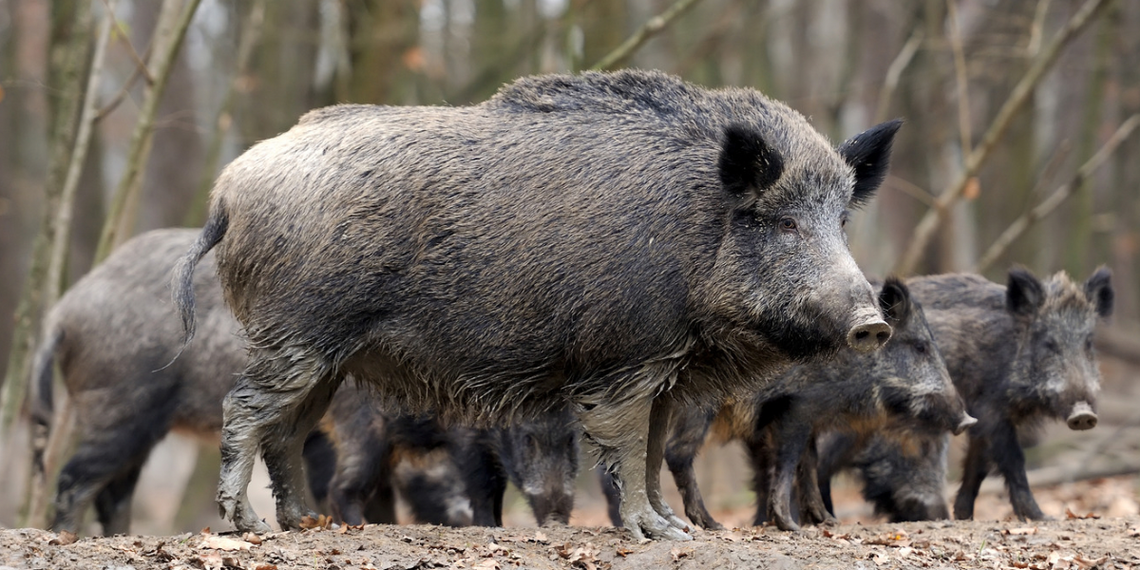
622	430
274	407
282	446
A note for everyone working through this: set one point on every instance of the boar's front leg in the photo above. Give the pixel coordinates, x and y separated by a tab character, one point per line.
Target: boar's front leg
812	508
621	429
791	438
974	469
1006	453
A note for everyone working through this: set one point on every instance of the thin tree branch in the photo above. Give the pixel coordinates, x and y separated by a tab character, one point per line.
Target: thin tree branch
925	230
960	78
250	36
647	30
114	102
140	65
60	435
894	72
144	128
1046	207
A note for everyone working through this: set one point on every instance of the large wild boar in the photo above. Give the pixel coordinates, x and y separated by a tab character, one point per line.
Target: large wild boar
615	242
1018	354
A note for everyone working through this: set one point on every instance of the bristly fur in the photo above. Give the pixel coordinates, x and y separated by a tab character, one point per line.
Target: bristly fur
570	240
1018	354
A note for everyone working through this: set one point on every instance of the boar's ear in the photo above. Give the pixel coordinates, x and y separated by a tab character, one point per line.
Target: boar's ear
894	300
747	162
1099	289
869	154
1024	294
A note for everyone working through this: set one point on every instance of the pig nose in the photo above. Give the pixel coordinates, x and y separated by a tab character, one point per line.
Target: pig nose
869	336
965	424
1082	417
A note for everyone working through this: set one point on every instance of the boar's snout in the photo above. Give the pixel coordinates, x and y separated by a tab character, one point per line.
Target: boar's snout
1082	417
870	332
965	424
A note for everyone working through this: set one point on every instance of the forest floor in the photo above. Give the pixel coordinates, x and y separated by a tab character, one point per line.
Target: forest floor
1079	540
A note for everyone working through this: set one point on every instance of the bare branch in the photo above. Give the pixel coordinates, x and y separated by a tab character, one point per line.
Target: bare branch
894	72
1046	207
140	65
960	78
144	129
649	29
928	225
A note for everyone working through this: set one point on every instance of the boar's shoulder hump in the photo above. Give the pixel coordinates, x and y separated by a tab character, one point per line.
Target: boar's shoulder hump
621	92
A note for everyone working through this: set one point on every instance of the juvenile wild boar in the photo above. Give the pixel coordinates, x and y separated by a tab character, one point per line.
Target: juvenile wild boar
863	394
1018	354
538	455
113	338
615	242
903	474
378	453
450	475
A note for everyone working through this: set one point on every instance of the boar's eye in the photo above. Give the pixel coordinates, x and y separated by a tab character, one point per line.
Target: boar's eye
1089	344
1052	346
788	224
920	347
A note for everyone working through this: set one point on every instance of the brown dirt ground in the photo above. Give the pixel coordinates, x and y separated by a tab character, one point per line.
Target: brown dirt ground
1071	542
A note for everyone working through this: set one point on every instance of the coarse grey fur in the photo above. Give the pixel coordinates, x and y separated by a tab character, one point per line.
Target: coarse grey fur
903	387
1019	354
113	334
617	242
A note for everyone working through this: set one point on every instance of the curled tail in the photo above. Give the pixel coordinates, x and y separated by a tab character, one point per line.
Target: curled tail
42	384
182	284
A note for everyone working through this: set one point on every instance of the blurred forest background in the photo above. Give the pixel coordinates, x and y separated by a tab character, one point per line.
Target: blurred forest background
1018	145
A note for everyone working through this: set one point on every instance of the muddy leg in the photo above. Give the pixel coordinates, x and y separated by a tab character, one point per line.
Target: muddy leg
660	418
282	447
622	431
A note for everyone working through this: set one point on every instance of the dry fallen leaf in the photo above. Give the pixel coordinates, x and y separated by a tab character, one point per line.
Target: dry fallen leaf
251	538
1070	514
65	537
540	537
488	564
678	554
265	567
322	522
1021	531
623	552
224	543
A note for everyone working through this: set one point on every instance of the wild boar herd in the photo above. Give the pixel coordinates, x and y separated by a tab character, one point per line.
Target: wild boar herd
435	301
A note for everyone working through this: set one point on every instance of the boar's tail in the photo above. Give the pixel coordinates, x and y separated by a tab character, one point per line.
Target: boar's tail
42	383
182	284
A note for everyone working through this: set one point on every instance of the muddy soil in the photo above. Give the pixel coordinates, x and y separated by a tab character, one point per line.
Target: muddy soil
1071	543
